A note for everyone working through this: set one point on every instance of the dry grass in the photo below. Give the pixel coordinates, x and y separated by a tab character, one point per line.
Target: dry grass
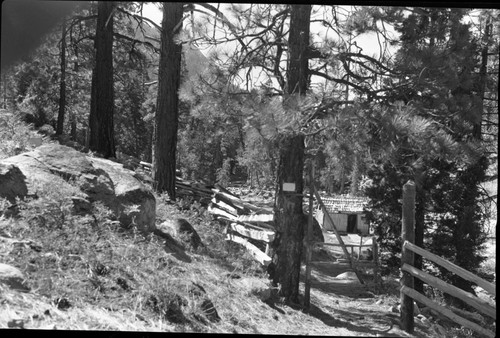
120	280
86	273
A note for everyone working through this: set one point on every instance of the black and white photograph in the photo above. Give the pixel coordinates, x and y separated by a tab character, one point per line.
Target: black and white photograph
325	169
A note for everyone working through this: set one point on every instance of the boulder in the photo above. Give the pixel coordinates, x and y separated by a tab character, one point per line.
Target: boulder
13	277
206	306
87	178
134	203
12	183
183	231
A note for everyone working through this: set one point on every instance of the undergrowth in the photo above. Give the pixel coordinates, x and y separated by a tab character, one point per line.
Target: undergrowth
76	261
15	135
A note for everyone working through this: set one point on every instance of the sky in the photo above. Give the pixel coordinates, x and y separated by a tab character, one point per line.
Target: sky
368	42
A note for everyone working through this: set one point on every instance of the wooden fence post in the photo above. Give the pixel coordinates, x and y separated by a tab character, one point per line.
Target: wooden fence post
376	272
309	244
407	234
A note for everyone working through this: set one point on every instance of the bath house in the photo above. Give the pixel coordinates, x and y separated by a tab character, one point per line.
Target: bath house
347	214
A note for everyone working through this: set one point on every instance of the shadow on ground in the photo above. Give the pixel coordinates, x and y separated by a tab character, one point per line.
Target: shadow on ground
364	316
354	321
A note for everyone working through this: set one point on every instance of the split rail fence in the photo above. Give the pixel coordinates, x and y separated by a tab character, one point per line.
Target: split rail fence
245	223
408	293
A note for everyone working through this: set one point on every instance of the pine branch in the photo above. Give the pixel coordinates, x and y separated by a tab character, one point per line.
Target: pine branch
341	81
135	41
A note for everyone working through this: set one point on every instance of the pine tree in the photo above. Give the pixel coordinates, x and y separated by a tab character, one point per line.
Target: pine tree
167	111
102	139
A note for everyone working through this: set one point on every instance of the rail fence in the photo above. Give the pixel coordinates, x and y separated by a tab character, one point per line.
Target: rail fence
409	294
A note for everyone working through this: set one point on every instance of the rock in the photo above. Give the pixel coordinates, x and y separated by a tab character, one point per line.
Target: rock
62	303
12	182
13	277
210	311
256	287
184	231
35	142
15	323
46	130
172	246
133	201
206	306
169	305
92	179
81	205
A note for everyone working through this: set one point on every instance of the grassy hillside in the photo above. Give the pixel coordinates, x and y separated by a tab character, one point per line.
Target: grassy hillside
88	273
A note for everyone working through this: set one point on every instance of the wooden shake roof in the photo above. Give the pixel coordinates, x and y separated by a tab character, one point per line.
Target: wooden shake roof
345	204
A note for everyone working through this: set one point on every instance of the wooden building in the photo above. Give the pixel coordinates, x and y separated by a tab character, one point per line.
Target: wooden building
347	214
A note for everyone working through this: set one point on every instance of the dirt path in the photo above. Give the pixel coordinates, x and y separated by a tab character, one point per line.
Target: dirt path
350	308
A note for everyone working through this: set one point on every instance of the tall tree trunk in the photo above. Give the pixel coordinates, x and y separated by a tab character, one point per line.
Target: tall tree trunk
167	111
289	218
355	175
102	92
73	126
342	179
468	232
62	84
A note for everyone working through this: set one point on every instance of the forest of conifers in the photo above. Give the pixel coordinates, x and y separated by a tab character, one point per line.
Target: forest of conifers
256	93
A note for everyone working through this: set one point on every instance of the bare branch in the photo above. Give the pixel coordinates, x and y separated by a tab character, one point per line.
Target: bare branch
139	17
221	16
147	44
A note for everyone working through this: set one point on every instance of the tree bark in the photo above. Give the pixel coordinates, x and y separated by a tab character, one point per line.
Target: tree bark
467	229
167	112
102	92
355	174
62	84
288	205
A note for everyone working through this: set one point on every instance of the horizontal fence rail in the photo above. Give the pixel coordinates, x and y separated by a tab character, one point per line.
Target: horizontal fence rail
465	296
446	312
489	287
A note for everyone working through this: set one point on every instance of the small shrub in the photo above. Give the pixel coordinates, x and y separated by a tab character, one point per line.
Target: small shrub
15	135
